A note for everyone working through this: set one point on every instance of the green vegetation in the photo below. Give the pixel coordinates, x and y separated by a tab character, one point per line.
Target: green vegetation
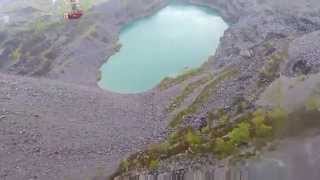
202	98
313	103
230	135
194	141
240	134
16	54
278	118
260	126
178	118
270	71
250	129
154	164
124	165
268	45
223	148
91	32
226	134
86	4
219	116
210	89
193	138
277	93
189	89
236	137
169	82
41	25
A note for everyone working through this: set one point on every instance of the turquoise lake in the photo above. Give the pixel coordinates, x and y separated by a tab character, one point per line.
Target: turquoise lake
176	38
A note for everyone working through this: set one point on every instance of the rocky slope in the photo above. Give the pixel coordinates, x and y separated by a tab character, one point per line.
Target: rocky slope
267	39
51	129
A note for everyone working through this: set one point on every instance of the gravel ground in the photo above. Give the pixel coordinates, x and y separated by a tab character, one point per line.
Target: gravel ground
52	130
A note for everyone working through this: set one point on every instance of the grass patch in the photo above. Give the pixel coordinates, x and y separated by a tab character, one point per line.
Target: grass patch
178	118
313	103
91	32
189	89
169	81
240	134
210	89
15	54
261	128
228	145
277	118
252	128
223	148
203	97
40	25
86	4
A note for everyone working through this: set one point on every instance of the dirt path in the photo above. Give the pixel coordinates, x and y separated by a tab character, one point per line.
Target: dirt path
51	130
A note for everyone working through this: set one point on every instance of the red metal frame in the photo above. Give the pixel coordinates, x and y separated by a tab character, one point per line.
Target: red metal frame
74	15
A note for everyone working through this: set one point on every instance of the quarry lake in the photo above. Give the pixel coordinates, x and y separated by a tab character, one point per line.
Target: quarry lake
176	38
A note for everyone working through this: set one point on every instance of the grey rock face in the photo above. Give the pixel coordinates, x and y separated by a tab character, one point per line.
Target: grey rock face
196	123
304	55
246	53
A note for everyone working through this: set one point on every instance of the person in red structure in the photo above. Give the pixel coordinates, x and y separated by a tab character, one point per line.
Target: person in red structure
75	12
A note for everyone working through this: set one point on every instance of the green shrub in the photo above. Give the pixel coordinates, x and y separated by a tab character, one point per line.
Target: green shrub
206	130
240	134
171	81
189	89
193	138
179	117
154	164
313	103
224	119
259	112
173	137
250	130
39	25
207	92
159	149
124	165
164	147
260	128
278	117
223	148
210	89
16	54
241	107
264	130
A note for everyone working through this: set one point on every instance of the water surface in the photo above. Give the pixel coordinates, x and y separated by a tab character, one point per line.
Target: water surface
176	38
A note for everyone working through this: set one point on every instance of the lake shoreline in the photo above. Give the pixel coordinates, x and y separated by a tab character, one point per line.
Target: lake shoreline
162	50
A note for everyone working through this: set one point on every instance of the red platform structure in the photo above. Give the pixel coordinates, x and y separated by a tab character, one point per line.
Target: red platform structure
76	11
